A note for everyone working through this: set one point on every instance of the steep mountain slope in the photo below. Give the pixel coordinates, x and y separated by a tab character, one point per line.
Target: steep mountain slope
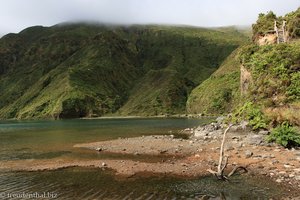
220	93
275	86
261	80
78	70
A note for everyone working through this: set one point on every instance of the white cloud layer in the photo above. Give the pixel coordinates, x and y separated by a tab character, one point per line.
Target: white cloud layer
16	15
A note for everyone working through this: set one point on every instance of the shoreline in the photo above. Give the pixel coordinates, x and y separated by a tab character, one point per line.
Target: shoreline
187	158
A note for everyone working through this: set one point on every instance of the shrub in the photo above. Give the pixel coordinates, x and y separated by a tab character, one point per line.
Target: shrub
285	135
264	23
251	113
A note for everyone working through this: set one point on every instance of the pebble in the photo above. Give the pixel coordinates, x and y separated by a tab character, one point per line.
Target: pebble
275	161
278	180
265	156
248	154
297	170
104	164
272	156
287	166
229	148
240	145
99	149
292	175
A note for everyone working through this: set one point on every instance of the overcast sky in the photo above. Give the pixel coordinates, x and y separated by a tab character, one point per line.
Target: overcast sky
16	15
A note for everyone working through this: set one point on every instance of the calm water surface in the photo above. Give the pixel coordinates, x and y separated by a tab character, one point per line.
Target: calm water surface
55	139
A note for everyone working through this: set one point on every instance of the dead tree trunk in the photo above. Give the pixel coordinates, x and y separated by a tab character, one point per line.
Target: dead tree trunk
221	166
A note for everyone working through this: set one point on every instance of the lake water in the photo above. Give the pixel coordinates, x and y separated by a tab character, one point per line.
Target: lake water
21	140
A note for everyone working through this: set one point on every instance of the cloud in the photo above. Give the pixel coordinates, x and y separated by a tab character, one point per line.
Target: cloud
16	15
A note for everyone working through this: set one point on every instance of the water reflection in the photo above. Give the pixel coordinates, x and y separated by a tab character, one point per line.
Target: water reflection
87	183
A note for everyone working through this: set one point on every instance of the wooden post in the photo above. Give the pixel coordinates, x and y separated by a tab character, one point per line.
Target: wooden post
283	30
276	30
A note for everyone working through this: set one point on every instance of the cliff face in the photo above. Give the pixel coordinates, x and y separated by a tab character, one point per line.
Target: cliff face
267	39
245	80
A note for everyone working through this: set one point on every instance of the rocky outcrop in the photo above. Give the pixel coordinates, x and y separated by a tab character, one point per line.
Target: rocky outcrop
246	80
269	38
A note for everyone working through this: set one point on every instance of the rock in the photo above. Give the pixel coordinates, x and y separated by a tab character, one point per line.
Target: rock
220	119
162	151
205	197
207	130
240	145
272	168
229	148
254	139
287	166
297	170
235	138
99	149
197	156
104	164
292	175
265	156
248	154
297	178
278	180
272	156
275	161
240	127
263	132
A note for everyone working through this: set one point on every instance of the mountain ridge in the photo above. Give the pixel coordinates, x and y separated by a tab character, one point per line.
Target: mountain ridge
80	70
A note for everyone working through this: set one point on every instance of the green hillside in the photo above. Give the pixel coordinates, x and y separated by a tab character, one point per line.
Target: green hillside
220	93
259	84
85	70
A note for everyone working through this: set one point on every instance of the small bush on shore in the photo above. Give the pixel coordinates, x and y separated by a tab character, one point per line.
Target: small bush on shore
285	135
252	113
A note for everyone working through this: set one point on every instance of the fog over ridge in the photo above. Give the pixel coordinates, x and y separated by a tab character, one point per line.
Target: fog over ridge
16	15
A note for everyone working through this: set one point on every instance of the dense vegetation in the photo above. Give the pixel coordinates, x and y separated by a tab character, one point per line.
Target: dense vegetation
272	100
79	70
220	93
276	71
265	23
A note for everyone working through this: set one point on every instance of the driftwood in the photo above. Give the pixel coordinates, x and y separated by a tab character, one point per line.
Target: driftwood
219	174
